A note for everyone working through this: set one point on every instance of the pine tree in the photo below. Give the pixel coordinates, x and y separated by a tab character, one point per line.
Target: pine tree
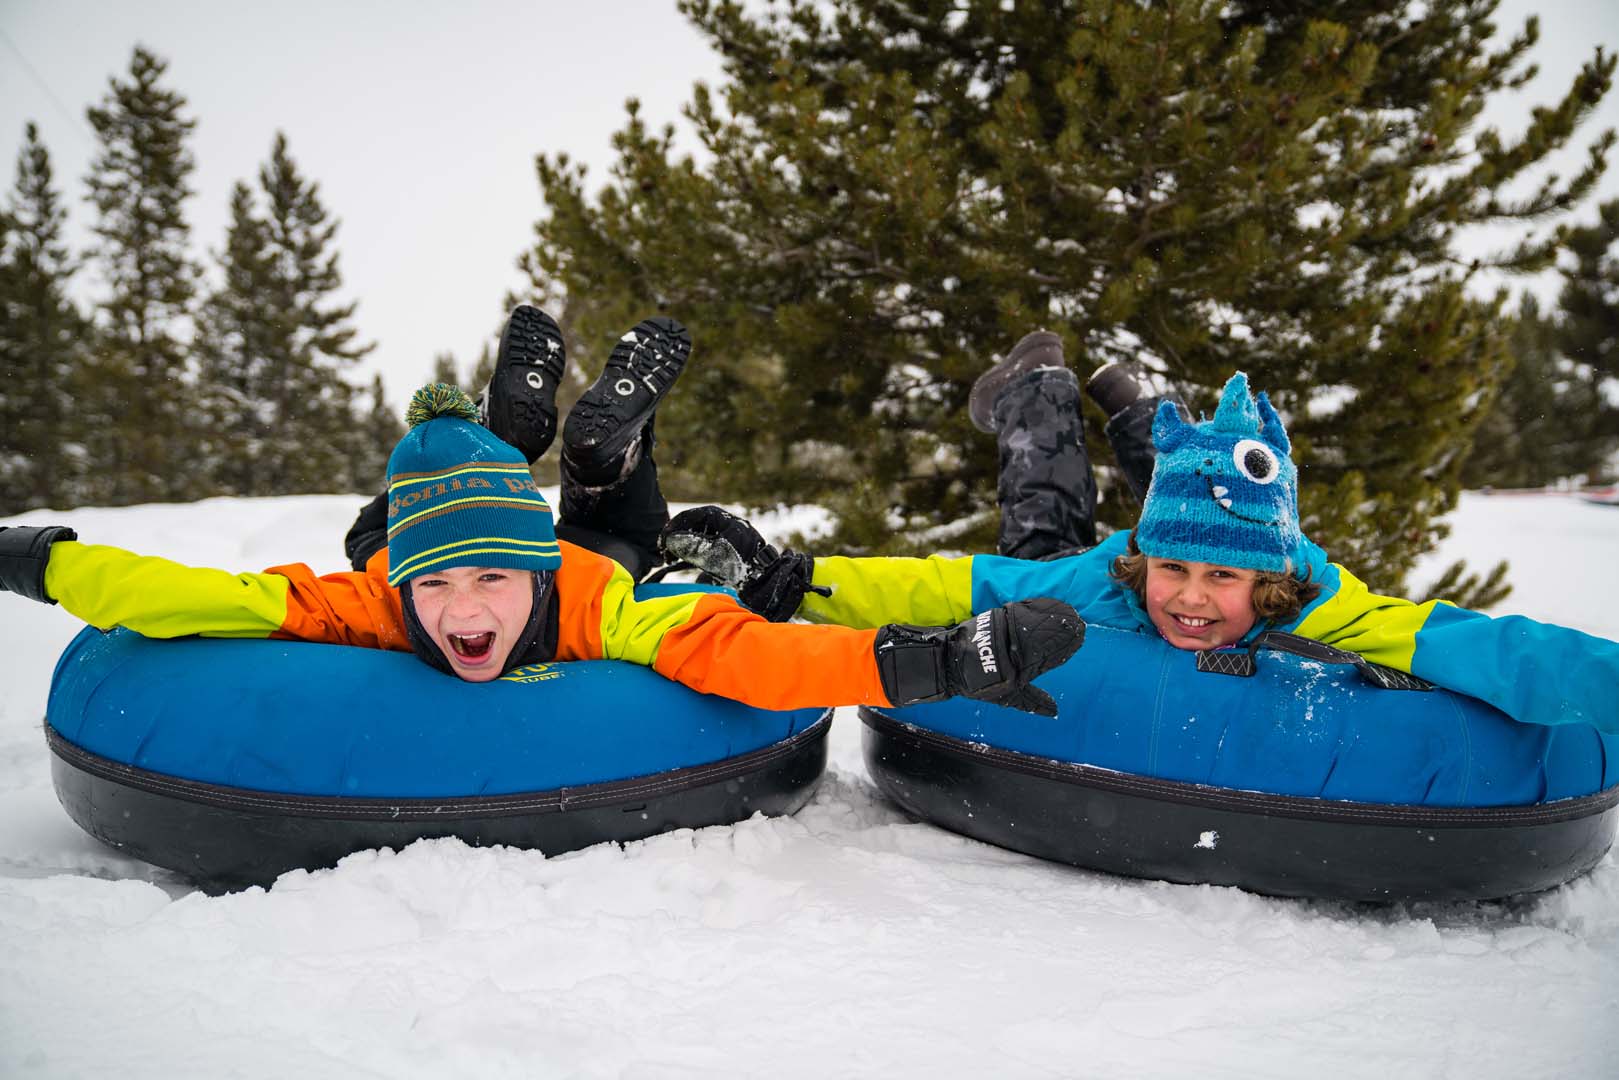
137	415
42	343
483	369
1556	417
895	190
1588	336
373	439
315	404
233	346
275	345
444	369
1516	443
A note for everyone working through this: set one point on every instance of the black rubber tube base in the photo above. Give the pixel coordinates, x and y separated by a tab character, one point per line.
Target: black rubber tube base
1193	834
225	838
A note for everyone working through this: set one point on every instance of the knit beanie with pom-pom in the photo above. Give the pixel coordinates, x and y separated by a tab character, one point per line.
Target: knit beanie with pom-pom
458	496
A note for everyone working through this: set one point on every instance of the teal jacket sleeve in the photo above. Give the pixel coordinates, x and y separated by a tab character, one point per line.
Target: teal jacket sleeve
1535	672
938	591
1084	580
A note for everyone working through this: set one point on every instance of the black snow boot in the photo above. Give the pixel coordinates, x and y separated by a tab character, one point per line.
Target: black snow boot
1041	349
520	403
1113	387
601	440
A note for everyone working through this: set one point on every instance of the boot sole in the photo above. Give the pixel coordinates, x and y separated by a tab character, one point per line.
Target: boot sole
638	375
523	391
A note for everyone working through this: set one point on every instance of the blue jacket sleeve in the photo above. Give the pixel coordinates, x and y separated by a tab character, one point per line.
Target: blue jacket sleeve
1083	580
1536	673
1532	671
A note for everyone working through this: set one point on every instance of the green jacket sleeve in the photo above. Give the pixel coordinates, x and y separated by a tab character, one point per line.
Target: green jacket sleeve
867	593
107	587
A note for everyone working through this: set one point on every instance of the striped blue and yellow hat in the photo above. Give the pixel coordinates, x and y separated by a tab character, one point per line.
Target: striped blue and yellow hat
1224	491
458	496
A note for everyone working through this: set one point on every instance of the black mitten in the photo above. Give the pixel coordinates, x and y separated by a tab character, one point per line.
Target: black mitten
993	656
24	551
724	546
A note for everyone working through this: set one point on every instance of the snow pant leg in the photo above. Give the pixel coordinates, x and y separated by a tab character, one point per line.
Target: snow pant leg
1129	433
634	558
369	533
622	520
1046	490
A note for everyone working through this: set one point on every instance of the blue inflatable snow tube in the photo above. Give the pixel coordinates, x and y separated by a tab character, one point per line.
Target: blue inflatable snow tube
1301	777
232	761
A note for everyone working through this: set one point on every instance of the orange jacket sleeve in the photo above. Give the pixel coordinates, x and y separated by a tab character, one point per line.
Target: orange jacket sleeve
711	643
345	608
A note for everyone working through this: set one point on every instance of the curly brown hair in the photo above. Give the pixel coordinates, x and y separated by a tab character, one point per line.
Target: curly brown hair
1277	597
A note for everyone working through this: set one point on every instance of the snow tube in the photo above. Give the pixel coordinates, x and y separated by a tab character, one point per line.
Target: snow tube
235	761
1293	769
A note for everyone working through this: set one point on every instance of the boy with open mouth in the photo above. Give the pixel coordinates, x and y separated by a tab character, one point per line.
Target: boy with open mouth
460	562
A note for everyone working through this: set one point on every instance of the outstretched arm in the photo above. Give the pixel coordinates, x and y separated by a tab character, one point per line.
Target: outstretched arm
778	585
871	592
1535	672
712	644
107	587
724	649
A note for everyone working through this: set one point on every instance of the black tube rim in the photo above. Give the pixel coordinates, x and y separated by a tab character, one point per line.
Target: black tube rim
1257	802
443	808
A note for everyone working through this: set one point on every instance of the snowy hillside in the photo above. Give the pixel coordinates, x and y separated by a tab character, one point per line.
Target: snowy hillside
845	941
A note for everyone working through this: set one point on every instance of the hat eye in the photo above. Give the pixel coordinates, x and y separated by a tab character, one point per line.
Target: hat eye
1256	461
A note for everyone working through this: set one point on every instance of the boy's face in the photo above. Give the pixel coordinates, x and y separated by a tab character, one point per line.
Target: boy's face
1199	605
475	614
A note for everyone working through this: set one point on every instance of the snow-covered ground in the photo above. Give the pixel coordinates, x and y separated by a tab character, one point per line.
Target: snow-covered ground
845	941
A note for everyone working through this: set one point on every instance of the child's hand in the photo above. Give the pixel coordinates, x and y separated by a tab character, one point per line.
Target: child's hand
992	656
24	552
731	551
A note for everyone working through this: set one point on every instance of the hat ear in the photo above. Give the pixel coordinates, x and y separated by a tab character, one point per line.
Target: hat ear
1169	430
1270	425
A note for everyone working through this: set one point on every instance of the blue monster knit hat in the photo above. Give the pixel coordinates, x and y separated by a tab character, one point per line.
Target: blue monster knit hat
1224	491
458	496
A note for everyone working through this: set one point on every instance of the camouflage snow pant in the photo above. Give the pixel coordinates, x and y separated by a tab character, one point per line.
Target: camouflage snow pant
1047	489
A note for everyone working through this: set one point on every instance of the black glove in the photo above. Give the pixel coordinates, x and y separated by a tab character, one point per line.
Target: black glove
24	551
990	657
732	552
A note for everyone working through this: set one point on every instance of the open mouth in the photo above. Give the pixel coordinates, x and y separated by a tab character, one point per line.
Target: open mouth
473	647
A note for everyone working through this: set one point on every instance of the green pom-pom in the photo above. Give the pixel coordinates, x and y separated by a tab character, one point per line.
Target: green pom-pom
439	399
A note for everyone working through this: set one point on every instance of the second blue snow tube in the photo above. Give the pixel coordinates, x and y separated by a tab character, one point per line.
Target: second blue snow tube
1302	777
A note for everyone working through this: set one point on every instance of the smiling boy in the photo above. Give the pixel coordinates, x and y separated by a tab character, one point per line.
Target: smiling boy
1198	606
1217	558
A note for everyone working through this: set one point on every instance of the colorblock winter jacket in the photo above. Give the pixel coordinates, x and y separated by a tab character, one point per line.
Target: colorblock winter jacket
1532	671
705	640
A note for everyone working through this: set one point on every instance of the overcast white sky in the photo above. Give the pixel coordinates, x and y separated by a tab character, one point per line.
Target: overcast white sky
421	122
